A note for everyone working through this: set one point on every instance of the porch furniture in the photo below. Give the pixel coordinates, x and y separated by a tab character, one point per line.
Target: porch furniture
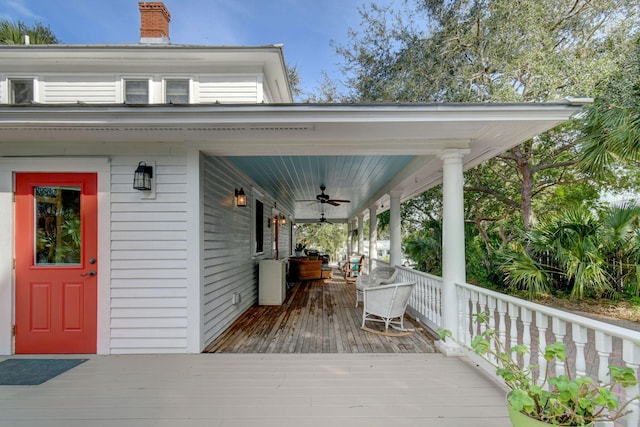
378	276
272	283
387	304
352	268
308	269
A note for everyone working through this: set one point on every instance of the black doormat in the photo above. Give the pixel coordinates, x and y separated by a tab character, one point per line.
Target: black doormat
34	371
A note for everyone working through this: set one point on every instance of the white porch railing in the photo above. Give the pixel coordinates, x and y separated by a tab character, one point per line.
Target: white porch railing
424	303
591	345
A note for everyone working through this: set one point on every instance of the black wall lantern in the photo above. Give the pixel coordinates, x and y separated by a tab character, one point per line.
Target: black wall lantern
142	177
241	198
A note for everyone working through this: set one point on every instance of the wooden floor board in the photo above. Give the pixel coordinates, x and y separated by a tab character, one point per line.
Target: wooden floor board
317	316
283	390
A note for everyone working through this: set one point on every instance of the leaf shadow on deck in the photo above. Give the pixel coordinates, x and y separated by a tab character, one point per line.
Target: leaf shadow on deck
318	316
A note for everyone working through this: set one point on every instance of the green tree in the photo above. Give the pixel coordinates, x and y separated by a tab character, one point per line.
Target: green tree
294	81
14	32
611	132
329	238
497	51
579	251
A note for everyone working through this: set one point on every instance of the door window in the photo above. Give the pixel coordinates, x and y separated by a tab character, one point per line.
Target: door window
57	226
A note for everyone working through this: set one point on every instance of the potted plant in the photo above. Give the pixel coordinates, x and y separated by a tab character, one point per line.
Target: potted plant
554	400
299	248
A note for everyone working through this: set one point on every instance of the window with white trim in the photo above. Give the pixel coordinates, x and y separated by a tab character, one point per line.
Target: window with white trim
21	91
136	91
176	91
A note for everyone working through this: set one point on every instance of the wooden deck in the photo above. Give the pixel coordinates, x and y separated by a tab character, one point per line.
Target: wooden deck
267	390
376	382
318	316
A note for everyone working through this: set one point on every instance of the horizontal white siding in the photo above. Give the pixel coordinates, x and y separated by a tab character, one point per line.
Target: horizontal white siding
107	89
228	265
148	259
229	89
88	89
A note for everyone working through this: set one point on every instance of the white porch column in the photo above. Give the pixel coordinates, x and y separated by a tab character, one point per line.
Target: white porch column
453	253
361	234
373	235
348	238
395	231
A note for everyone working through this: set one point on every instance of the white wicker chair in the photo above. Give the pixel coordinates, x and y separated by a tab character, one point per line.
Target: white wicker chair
378	276
387	304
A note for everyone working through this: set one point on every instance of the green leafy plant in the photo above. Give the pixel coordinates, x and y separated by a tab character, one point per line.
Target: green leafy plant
557	400
300	247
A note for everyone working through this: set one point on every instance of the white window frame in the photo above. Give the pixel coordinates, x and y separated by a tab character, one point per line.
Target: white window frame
11	92
136	79
177	79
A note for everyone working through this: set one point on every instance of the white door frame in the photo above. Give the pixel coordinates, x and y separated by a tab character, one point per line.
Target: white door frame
8	168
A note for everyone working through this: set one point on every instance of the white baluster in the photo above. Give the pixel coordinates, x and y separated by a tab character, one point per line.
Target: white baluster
525	316
604	348
579	334
482	301
438	306
467	317
559	328
491	309
631	356
513	330
542	323
474	311
417	296
431	301
502	324
462	302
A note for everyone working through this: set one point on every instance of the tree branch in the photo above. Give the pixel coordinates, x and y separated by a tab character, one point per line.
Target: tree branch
493	193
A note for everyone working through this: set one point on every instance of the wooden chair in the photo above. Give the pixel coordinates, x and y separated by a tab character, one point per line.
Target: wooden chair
352	268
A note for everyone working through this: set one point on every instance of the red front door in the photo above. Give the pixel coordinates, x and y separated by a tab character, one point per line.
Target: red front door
56	262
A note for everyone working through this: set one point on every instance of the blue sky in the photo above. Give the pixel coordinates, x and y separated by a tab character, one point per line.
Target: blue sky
305	27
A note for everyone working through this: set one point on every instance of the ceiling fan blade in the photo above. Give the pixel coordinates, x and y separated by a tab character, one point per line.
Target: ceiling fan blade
339	201
310	200
333	203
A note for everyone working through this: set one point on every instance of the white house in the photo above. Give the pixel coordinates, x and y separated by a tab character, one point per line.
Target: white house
88	264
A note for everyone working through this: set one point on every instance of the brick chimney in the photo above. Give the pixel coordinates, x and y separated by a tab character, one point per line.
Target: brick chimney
154	22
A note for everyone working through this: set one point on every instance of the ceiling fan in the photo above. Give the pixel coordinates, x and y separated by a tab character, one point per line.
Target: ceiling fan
324	198
323	220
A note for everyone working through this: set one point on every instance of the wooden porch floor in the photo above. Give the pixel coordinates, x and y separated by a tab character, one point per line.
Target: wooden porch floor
266	390
318	316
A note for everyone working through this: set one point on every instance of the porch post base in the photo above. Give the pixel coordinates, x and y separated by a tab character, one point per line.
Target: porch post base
448	348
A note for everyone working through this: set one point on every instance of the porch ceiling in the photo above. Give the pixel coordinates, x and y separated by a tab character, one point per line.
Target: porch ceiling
354	178
360	152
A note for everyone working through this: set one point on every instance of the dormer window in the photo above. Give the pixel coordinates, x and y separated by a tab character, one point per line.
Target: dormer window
176	91
21	91
136	91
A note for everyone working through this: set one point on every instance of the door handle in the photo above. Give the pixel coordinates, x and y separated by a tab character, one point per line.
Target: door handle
91	273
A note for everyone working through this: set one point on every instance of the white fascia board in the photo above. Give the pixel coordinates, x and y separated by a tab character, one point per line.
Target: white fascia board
276	114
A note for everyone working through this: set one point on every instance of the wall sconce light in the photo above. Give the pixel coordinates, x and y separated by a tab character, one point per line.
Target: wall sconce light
142	177
241	198
283	220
